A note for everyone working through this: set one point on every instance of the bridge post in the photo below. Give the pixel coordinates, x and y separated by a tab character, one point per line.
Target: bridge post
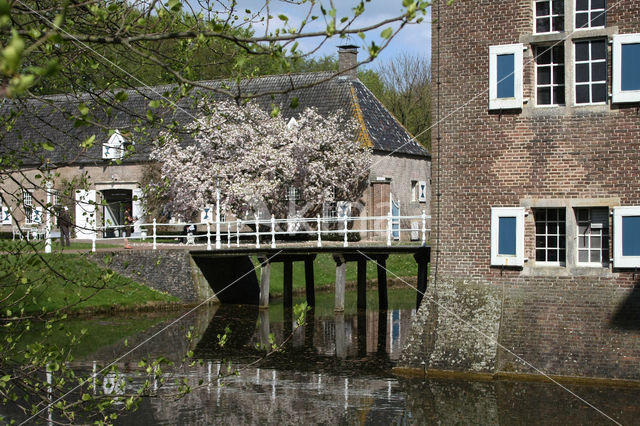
341	277
346	240
273	231
287	290
341	349
319	232
362	284
389	225
155	246
424	228
265	276
309	281
383	301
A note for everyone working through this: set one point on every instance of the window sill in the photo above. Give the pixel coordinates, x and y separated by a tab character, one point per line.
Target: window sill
563	271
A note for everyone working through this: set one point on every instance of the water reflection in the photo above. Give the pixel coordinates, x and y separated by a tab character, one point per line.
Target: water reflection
334	370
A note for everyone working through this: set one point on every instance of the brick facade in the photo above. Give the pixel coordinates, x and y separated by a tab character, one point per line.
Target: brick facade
564	319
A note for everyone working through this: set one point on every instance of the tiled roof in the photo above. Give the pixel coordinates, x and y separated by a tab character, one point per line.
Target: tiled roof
47	120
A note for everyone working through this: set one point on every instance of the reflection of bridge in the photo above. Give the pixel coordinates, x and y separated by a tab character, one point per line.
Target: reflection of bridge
225	267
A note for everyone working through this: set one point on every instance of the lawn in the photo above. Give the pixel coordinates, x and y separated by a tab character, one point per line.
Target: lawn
324	268
46	282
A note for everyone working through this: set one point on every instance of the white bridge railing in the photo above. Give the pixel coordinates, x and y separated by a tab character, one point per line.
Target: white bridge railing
254	232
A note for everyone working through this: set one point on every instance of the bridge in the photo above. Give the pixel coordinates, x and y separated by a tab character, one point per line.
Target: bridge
223	249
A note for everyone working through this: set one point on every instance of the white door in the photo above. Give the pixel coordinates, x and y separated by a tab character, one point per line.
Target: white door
85	214
137	209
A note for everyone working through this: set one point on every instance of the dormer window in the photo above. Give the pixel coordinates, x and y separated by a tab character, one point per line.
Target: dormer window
115	147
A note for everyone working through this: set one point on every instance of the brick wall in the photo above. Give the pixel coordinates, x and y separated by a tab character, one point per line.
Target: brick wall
561	318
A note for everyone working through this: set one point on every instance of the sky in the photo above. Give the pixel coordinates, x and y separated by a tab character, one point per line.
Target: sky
414	39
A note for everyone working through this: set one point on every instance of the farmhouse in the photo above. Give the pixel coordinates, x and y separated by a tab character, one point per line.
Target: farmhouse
538	170
57	134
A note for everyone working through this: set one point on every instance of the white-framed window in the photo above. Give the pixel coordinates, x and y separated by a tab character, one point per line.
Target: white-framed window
507	236
591	71
329	209
551	235
549	16
505	76
626	68
293	194
414	190
590	14
550	75
626	237
27	203
593	236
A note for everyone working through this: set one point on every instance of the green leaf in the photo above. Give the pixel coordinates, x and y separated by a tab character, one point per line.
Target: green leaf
386	34
283	18
47	146
154	103
294	103
86	397
88	142
83	108
121	96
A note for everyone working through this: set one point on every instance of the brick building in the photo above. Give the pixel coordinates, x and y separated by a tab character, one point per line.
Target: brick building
536	163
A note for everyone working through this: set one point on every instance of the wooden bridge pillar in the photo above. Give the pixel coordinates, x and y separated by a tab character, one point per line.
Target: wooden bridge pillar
341	278
265	273
362	284
383	300
287	290
309	281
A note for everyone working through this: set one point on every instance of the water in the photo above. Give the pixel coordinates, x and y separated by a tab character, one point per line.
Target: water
334	370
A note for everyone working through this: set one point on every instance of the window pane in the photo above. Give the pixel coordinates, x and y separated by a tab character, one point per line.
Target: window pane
552	214
552	241
595	256
544	56
540	255
599	93
540	228
552	255
544	96
599	71
506	77
561	213
598	4
630	70
543	25
561	242
596	242
558	23
582	5
558	94
598	49
631	235
582	20
561	225
582	73
582	51
562	255
582	94
582	242
583	256
558	55
544	75
541	241
558	7
542	8
507	235
598	19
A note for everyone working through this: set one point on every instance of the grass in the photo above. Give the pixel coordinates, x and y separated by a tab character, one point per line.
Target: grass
324	268
43	283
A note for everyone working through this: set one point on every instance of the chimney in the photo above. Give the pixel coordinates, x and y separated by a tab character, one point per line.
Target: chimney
348	58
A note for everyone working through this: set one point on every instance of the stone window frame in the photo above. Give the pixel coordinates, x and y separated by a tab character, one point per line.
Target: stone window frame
501	259
568	38
592	230
558	227
619	95
571	268
551	17
552	66
590	11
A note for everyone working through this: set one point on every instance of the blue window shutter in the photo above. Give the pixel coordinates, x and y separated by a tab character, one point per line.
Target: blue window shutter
630	70
506	76
507	236
631	235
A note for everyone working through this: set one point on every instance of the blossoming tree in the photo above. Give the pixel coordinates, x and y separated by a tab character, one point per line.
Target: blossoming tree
254	157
